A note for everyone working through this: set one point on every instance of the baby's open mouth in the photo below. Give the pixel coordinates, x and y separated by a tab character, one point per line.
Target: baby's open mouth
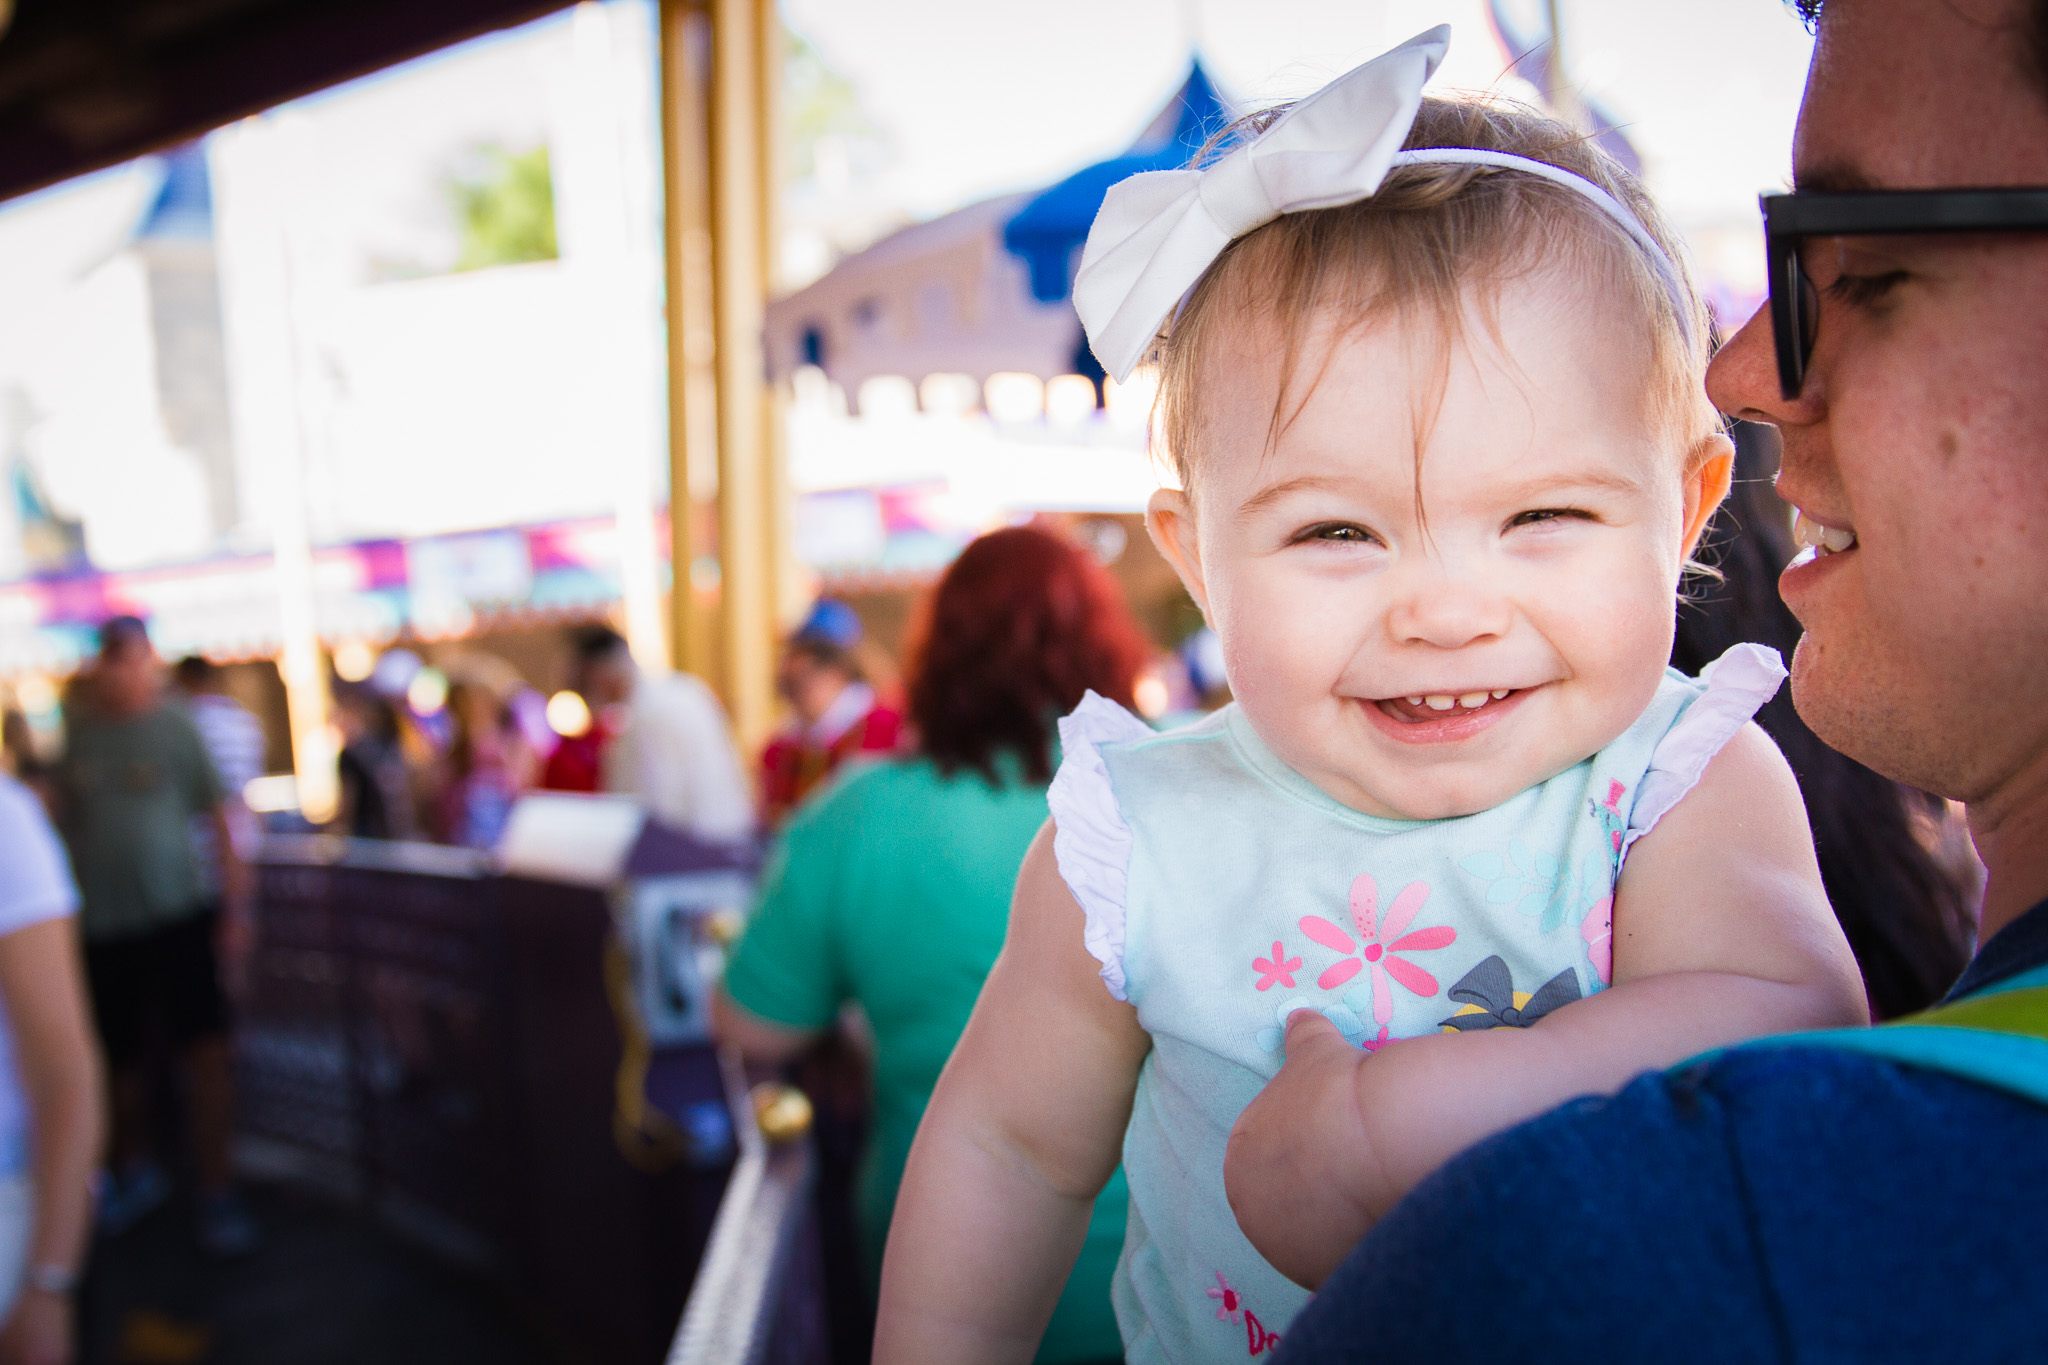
1435	706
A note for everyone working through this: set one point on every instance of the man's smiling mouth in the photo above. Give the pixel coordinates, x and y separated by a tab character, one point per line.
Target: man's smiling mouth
1821	539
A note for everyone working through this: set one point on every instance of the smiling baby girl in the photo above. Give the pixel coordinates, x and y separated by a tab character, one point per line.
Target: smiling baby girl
1431	383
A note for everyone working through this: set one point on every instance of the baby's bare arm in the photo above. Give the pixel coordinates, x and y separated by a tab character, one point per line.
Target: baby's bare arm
1721	933
1025	1128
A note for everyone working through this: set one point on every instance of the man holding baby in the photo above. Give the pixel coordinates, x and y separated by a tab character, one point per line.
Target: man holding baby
1816	1202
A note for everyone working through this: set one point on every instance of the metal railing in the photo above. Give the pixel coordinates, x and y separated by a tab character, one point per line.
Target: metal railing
758	1298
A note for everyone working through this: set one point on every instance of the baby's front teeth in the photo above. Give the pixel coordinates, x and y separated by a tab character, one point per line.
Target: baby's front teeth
1440	702
1472	699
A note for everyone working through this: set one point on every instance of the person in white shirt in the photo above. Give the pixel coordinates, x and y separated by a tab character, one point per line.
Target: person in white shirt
234	741
671	747
51	1118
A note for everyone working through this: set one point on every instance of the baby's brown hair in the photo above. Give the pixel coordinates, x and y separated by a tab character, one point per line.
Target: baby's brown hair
1430	232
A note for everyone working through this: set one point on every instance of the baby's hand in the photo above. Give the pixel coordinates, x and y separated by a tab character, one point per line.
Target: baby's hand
1299	1169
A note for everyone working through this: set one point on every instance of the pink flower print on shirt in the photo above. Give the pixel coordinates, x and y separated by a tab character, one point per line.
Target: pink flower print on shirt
1381	940
1597	929
1228	1304
1609	814
1277	970
1230	1308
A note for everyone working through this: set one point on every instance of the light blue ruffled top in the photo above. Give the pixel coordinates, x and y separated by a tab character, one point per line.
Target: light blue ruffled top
1223	890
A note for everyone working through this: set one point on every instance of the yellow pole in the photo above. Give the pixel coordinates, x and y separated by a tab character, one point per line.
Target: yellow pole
300	662
746	607
786	590
692	383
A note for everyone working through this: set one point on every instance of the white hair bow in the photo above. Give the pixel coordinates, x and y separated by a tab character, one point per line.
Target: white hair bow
1158	231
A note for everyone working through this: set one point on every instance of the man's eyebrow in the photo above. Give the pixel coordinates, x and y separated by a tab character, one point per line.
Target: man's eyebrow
1304	483
1832	177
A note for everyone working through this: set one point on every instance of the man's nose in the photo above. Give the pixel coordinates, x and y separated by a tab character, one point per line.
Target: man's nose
1742	381
1449	610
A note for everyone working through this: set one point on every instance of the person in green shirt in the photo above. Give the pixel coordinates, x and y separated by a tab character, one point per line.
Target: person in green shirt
891	887
134	776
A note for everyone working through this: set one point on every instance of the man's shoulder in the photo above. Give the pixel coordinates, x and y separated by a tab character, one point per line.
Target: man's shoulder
1782	1201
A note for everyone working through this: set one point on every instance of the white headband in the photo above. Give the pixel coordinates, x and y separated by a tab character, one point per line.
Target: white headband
1159	231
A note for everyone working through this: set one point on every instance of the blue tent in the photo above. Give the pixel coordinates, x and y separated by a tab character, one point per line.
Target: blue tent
183	207
1050	229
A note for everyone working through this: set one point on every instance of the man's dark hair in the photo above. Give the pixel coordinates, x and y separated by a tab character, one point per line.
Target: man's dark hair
2033	33
123	632
597	642
196	673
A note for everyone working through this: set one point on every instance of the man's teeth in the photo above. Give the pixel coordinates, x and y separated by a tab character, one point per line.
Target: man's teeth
1470	701
1822	540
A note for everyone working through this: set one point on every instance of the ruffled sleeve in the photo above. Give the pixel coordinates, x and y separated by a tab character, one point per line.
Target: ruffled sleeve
1737	684
1091	843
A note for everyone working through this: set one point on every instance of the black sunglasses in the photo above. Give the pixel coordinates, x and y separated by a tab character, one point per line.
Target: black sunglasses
1790	218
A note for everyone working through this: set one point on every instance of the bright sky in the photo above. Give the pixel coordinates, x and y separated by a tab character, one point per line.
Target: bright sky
973	99
981	98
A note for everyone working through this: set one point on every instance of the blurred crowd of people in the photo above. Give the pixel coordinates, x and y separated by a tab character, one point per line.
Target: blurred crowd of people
127	911
125	917
451	771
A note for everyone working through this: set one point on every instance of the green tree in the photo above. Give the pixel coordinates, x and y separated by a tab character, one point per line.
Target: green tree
821	104
505	205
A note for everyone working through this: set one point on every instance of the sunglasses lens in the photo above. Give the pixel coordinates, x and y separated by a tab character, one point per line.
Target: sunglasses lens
1787	330
1795	313
1808	305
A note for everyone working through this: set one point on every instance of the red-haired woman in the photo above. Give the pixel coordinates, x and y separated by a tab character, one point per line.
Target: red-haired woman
892	888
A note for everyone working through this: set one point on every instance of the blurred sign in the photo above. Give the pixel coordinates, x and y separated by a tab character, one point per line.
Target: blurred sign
673	927
451	576
575	837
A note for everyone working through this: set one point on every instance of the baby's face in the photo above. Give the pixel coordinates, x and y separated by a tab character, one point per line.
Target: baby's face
1429	670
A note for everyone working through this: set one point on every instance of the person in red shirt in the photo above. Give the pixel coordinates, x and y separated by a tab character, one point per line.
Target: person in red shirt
577	763
837	714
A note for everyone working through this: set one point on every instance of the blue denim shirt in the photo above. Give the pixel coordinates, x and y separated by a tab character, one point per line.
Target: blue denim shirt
1766	1204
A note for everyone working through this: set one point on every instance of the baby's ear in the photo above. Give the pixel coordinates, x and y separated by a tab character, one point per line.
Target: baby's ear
1170	520
1710	467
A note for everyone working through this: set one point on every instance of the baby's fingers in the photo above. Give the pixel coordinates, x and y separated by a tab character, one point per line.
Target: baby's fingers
1311	1037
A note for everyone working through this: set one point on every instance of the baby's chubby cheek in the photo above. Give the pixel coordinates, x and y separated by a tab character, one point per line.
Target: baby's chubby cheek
1617	642
1270	637
1285	661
